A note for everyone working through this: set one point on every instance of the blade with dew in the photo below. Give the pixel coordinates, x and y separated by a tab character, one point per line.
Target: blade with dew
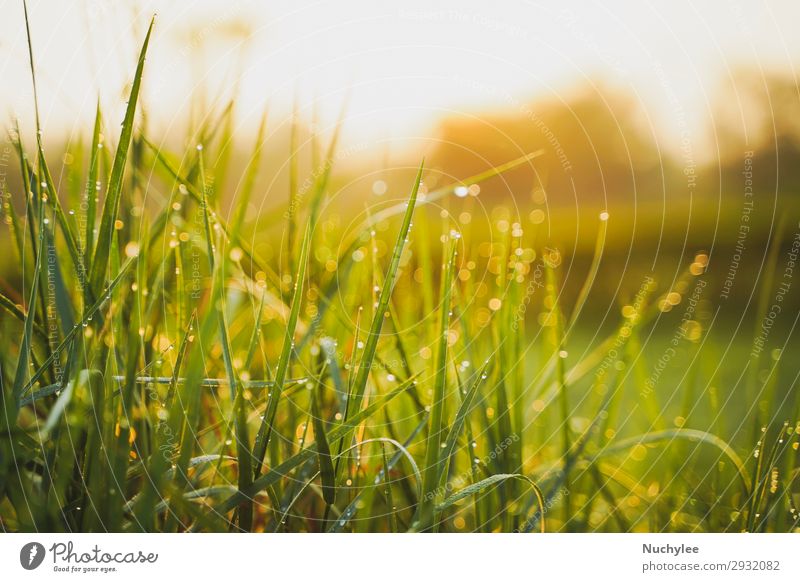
499	478
91	191
111	206
433	449
371	344
464	409
265	430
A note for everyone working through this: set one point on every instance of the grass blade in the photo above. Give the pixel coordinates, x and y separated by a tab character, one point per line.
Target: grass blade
323	449
489	481
113	195
371	344
265	430
461	418
433	451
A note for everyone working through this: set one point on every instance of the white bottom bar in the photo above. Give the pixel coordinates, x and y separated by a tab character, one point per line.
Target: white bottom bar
401	558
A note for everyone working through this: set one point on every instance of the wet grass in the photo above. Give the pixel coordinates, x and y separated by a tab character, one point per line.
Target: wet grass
158	374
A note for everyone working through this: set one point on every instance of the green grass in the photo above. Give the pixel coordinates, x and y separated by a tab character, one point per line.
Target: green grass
158	374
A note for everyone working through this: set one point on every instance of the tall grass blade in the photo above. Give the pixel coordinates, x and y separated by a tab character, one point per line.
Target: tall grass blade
323	449
267	424
112	201
371	344
434	460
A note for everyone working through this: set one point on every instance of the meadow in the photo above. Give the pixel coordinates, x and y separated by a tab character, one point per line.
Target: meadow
171	364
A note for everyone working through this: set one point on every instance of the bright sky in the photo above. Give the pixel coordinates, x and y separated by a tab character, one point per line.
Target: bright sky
407	63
